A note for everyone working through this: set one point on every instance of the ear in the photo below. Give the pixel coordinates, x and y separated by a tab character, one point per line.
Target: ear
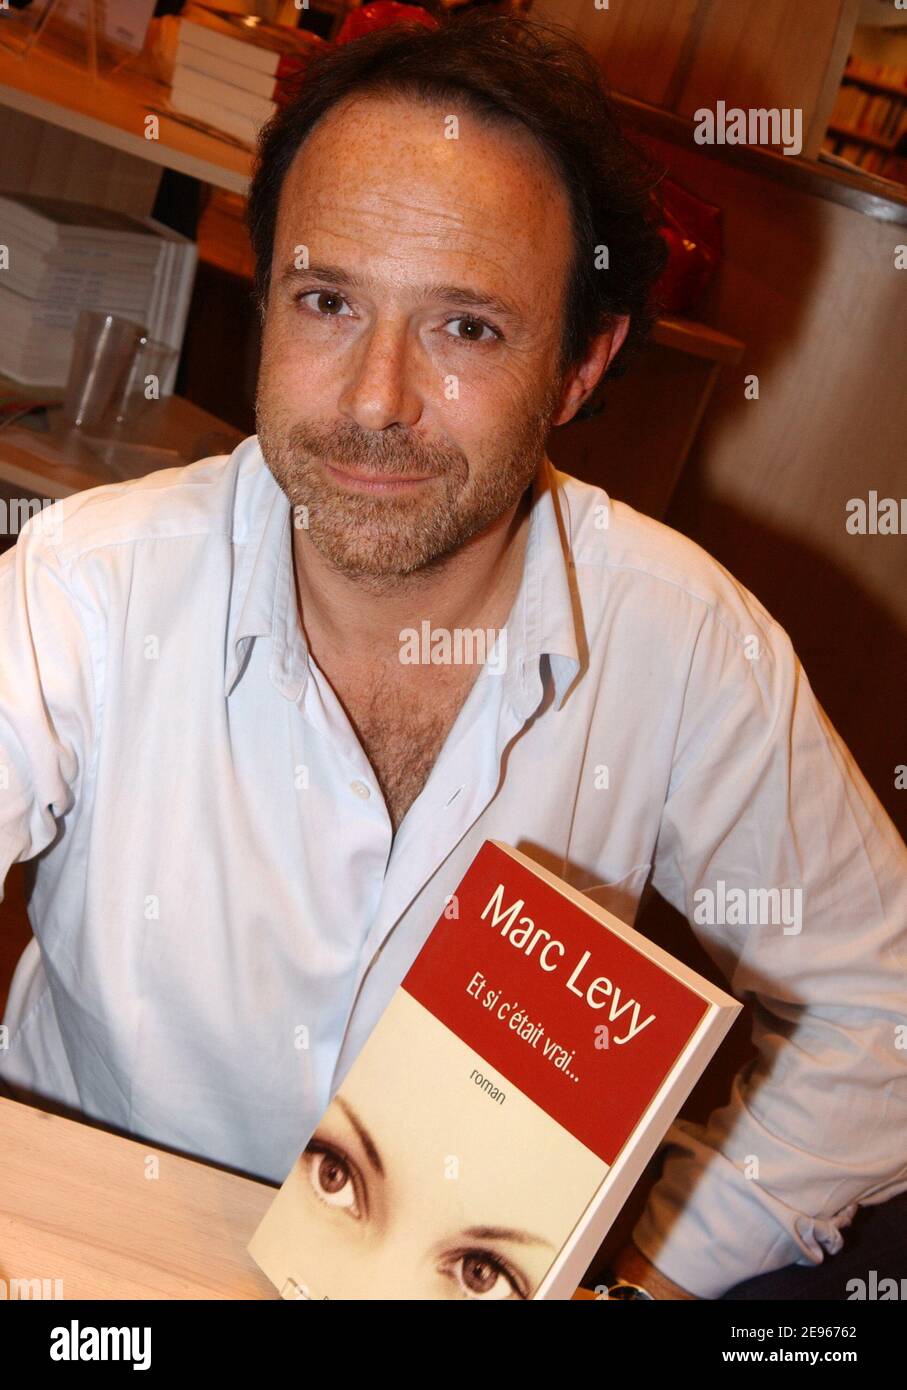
581	380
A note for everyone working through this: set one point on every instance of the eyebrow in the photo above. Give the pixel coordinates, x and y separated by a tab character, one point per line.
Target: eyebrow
463	296
505	1233
365	1138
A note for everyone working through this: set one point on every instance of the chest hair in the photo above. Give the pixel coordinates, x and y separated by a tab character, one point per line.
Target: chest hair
402	720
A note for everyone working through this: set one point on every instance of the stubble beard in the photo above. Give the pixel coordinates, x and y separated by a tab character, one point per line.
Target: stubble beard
383	537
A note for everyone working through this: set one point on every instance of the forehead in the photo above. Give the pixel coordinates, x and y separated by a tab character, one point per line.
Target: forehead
397	178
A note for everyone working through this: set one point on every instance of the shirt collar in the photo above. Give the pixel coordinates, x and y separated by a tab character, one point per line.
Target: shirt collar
544	620
264	583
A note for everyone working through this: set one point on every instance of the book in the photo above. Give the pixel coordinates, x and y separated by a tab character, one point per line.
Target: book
235	123
246	39
230	72
216	94
271	86
66	256
502	1109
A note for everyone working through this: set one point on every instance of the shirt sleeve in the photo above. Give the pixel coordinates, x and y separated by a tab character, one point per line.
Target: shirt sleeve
765	796
47	692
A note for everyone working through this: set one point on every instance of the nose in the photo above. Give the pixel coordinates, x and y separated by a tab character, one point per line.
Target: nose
381	390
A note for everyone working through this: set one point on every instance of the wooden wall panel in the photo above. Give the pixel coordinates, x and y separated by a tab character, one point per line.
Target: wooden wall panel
754	53
685	54
36	157
640	45
810	286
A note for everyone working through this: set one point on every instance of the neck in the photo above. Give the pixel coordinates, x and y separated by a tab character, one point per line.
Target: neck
473	587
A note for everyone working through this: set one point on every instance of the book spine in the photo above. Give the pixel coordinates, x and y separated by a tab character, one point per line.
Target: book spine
236	50
199	60
172	299
219	117
222	94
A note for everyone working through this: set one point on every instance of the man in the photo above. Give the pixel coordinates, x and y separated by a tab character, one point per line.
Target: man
250	805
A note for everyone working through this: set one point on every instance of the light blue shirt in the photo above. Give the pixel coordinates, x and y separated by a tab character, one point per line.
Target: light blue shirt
221	911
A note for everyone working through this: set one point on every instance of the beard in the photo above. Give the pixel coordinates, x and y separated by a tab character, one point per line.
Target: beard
385	536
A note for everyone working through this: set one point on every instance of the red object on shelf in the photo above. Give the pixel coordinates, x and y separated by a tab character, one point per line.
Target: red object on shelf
692	229
380	15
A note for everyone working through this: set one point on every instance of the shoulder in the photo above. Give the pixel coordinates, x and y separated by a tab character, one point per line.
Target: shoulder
621	553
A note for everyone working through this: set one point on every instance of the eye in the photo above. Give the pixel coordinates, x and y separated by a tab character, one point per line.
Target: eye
333	1178
328	303
475	328
479	1274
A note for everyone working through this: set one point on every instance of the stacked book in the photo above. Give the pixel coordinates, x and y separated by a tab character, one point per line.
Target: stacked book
64	257
231	72
877	114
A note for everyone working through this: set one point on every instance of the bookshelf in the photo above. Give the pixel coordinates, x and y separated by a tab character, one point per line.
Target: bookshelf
112	113
898	89
869	118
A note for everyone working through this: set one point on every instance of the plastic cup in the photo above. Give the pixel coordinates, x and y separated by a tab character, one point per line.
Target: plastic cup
103	357
150	366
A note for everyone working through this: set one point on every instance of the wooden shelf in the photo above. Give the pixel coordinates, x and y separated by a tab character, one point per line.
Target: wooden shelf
113	113
804	175
223	238
846	133
874	86
698	340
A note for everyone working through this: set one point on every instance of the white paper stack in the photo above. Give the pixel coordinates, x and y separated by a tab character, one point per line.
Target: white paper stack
63	257
231	72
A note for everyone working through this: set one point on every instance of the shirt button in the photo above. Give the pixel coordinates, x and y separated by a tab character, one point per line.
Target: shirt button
360	789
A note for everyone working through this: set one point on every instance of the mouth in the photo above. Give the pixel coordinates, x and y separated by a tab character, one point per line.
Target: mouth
361	480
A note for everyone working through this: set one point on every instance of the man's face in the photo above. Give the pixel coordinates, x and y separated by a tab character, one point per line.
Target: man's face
409	368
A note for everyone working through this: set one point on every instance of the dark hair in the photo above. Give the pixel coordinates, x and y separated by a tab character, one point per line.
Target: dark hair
499	67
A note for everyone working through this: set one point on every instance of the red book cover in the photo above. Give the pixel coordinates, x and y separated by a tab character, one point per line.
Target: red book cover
503	1107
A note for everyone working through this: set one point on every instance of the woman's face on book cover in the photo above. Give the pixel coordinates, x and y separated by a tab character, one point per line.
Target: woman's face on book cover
418	1185
399	1229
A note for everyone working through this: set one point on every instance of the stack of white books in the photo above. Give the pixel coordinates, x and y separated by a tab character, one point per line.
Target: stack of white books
64	257
231	72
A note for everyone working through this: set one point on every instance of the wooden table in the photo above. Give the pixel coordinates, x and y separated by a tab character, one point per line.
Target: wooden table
59	462
113	1218
80	1205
